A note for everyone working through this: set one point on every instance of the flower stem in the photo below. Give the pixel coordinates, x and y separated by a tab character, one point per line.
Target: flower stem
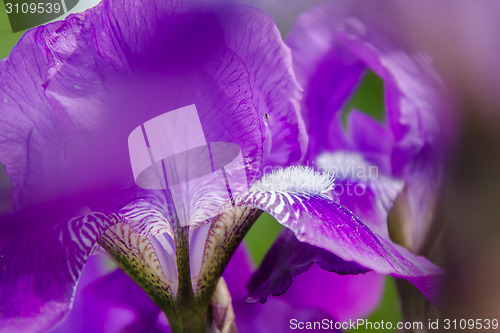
190	315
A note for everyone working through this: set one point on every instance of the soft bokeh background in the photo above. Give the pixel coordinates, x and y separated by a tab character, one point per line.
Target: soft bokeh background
462	37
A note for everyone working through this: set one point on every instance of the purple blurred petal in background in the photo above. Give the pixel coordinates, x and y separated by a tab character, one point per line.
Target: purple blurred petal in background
333	46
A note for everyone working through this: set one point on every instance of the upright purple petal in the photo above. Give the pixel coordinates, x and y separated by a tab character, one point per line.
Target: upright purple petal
73	90
356	34
333	80
334	45
366	136
255	38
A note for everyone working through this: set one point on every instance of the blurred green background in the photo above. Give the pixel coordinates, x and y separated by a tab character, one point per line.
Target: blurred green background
7	38
368	98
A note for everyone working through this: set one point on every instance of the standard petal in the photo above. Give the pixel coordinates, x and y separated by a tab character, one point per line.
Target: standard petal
317	220
366	136
333	80
350	28
417	128
41	269
72	92
252	34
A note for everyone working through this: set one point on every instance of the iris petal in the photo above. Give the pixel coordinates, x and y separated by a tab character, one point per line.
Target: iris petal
317	220
40	269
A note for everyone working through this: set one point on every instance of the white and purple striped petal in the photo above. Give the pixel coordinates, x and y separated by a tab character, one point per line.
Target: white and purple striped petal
40	269
317	220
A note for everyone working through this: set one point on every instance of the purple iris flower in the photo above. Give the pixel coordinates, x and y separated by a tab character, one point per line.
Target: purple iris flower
81	101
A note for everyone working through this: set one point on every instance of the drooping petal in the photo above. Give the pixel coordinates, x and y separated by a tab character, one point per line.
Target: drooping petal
41	269
288	258
277	314
110	302
317	220
103	121
343	297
